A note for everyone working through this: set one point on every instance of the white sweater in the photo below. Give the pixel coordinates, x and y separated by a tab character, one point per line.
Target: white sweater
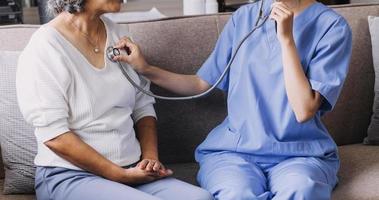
58	90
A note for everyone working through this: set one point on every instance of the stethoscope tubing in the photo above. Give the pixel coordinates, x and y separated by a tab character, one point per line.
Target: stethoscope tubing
259	23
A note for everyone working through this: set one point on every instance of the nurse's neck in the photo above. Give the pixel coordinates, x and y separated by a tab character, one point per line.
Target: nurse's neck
298	6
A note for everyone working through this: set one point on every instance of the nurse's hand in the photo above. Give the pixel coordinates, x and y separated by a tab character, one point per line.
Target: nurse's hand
283	16
136	176
135	57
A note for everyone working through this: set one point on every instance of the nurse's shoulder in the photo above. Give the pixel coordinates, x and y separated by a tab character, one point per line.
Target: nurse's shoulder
329	18
248	10
245	17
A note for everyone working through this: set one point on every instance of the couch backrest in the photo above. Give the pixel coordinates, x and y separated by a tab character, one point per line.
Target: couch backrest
183	44
349	121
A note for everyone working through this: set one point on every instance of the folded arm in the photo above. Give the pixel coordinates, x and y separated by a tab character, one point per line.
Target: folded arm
304	101
70	147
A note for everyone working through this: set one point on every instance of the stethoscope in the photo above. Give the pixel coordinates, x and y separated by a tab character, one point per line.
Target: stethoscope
111	52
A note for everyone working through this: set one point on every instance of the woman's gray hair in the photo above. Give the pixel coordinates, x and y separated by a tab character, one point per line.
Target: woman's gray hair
72	6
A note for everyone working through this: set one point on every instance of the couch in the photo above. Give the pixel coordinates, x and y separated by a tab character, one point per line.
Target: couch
182	45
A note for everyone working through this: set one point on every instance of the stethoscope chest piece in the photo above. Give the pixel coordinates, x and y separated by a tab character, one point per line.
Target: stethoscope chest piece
112	52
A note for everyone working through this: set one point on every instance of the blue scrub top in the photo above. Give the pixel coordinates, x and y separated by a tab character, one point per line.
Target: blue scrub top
260	120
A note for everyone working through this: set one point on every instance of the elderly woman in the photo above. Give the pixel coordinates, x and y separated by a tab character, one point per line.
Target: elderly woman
84	111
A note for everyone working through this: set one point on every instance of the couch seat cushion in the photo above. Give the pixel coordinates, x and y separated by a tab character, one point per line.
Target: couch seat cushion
186	172
359	173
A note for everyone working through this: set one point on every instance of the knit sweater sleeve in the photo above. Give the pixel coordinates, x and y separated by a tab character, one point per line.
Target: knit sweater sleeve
42	82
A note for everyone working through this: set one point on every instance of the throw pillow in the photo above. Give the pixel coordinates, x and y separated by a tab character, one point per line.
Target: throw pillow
373	129
18	143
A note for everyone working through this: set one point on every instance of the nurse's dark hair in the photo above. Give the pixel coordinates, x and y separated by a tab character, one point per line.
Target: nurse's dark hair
72	6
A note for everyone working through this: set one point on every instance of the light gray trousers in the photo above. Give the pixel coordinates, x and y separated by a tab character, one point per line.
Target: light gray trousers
53	183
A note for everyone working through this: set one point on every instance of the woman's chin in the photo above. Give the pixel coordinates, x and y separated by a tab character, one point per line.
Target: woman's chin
117	6
115	9
111	11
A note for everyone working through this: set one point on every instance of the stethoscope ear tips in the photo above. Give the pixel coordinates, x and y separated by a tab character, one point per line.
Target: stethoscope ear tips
112	52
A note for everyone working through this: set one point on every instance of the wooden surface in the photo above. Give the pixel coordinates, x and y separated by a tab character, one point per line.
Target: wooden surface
170	8
31	15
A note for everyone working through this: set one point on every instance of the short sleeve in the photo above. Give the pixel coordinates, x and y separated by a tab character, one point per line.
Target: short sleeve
329	66
216	63
41	93
144	105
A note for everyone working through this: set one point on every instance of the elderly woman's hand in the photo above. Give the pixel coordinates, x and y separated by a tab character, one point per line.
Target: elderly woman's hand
136	176
156	166
133	55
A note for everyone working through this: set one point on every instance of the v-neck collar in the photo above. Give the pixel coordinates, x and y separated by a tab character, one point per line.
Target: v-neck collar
308	14
305	15
77	51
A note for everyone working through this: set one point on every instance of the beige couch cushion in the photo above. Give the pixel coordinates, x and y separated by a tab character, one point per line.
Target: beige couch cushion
359	173
348	123
183	44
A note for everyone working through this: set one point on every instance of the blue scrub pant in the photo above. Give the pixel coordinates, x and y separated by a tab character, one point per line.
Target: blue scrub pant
65	184
234	176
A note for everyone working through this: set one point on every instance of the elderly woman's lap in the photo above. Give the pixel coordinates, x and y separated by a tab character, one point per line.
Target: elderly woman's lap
61	184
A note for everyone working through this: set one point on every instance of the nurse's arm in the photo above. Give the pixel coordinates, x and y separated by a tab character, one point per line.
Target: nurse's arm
177	83
304	101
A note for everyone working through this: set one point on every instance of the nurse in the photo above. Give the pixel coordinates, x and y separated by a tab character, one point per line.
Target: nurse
272	144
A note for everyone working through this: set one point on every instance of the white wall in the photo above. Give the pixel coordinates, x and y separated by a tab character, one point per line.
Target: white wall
364	1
